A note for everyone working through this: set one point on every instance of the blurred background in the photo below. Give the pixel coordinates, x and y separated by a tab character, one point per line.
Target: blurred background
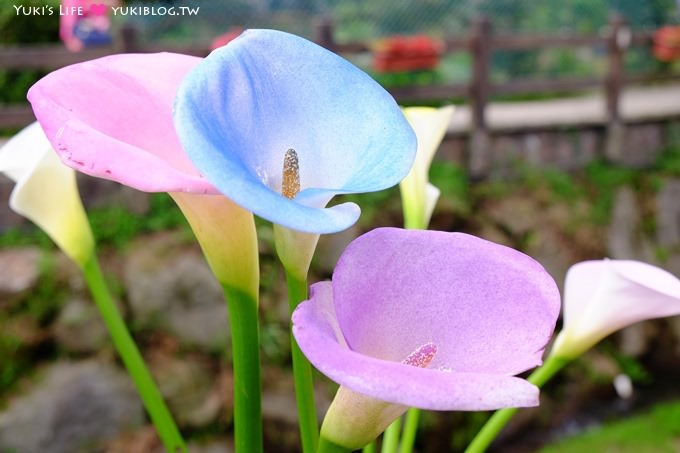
565	144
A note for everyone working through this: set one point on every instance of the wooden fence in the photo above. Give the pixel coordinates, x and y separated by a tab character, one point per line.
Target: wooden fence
480	42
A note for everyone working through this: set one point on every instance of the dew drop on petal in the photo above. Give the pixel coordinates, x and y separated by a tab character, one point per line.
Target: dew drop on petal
422	356
290	183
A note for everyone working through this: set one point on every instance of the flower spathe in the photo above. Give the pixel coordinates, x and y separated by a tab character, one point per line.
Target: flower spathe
419	197
46	192
112	118
427	319
603	296
245	105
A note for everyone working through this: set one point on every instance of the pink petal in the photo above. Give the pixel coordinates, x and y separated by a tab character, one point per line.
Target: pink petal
604	296
112	118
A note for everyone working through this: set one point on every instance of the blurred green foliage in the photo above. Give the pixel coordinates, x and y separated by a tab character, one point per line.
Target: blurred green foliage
25	29
29	28
656	431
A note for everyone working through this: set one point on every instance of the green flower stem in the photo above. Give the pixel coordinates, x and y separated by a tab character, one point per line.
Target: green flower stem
245	345
501	417
369	448
327	446
391	437
410	428
302	371
151	396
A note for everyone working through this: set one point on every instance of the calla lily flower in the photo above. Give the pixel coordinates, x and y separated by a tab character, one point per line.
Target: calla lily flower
46	192
280	125
427	319
601	297
419	197
112	118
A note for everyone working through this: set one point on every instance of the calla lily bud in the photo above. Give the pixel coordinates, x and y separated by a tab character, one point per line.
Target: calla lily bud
419	197
46	192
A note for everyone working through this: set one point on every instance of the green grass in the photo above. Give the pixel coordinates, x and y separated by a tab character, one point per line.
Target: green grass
656	431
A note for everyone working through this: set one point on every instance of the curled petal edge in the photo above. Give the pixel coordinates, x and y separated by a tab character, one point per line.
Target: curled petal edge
316	331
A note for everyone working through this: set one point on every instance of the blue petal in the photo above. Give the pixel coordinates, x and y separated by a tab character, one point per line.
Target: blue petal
239	110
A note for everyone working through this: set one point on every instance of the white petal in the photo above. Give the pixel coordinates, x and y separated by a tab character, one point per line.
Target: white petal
22	152
46	191
431	197
418	197
602	297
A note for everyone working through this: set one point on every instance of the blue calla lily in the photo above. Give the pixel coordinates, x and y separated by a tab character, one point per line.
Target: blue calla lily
243	107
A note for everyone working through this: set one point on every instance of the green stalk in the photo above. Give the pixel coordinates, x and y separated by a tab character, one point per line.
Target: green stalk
391	437
369	448
328	446
500	418
245	344
126	347
302	372
408	436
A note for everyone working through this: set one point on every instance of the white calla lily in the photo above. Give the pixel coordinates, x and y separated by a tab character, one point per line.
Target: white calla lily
419	197
601	297
46	192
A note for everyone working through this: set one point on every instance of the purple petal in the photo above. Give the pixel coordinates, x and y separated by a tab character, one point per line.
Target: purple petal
487	308
316	331
470	312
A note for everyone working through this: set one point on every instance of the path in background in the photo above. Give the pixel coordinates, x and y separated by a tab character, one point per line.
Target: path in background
638	104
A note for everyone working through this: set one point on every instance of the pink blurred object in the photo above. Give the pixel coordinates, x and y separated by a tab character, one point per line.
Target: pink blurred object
85	23
226	38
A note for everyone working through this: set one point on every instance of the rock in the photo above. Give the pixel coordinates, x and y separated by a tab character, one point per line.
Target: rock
97	192
668	214
625	239
172	288
80	328
668	225
73	407
144	440
20	271
533	227
212	446
518	215
189	388
635	340
331	246
8	218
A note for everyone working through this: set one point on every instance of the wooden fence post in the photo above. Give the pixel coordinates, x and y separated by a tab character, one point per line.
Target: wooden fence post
129	39
618	40
323	33
480	48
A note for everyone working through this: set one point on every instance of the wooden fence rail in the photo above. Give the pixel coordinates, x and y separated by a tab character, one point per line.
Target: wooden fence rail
480	42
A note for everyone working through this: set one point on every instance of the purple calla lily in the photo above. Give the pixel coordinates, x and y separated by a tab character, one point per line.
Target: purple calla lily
428	319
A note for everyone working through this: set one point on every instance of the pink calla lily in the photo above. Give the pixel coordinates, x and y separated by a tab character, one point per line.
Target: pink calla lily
601	297
112	118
